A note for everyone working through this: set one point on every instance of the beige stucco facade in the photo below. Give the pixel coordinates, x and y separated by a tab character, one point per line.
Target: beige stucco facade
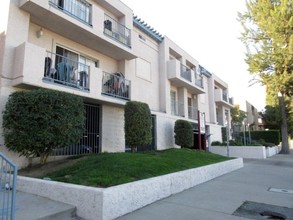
106	39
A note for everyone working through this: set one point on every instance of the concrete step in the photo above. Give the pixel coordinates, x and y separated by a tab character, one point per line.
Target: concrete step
32	207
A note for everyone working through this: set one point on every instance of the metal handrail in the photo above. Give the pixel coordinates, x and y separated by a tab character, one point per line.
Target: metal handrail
116	85
117	31
78	9
8	177
62	70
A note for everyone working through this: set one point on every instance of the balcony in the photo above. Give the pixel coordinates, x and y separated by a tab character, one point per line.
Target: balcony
222	98
79	9
179	109
182	76
79	22
115	85
63	71
185	72
34	67
117	31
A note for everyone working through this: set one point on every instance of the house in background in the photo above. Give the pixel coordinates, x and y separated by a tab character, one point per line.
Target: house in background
96	49
253	121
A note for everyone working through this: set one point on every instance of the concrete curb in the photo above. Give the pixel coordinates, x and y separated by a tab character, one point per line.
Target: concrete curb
109	203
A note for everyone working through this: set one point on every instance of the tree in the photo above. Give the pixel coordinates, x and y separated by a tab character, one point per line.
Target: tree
38	121
138	124
183	133
268	36
272	117
237	117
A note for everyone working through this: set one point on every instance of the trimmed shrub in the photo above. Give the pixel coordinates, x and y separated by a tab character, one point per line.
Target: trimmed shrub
37	121
138	124
216	143
183	133
270	137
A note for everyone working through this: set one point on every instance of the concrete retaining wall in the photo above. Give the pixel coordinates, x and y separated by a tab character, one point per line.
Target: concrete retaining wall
255	152
271	151
109	203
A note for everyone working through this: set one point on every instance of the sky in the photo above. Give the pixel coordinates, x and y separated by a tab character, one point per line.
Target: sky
209	31
206	29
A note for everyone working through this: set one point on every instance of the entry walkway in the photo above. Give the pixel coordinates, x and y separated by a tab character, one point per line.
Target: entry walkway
266	181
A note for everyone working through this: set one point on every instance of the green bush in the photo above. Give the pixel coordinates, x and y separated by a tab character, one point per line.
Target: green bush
216	143
37	121
183	133
271	136
235	143
138	124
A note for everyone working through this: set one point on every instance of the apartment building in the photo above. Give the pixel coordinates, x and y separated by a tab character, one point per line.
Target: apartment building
96	49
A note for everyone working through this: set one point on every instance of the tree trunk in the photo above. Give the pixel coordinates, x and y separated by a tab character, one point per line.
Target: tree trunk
284	127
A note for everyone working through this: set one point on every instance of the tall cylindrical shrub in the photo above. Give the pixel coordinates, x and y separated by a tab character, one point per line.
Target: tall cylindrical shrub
138	124
183	133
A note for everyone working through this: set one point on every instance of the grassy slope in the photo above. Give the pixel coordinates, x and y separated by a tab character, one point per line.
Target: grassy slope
110	169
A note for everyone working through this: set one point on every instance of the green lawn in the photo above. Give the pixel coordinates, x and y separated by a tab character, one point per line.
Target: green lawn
109	169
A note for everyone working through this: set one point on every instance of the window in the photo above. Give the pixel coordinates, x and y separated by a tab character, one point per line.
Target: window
226	117
72	68
78	8
141	37
143	69
174	110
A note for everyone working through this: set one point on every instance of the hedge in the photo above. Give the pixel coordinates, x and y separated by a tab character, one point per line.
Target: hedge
270	136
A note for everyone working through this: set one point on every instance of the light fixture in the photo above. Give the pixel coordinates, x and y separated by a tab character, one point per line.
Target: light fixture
40	33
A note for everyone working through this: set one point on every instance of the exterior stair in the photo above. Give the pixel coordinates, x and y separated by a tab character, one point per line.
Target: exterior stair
32	207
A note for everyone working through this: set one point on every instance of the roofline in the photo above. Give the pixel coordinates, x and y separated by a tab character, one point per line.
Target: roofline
147	29
203	71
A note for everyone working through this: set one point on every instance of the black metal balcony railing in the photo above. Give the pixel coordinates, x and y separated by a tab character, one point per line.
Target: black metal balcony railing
199	82
116	85
66	72
185	72
225	97
79	9
231	101
117	31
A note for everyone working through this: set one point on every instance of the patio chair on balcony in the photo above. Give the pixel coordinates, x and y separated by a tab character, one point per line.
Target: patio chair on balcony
49	72
83	80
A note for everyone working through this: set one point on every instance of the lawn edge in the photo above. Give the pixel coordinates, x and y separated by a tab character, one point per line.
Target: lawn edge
112	202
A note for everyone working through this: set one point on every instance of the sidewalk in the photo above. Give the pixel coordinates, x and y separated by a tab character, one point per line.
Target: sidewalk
260	181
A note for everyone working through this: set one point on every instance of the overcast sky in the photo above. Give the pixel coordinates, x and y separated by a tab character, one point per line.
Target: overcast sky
209	31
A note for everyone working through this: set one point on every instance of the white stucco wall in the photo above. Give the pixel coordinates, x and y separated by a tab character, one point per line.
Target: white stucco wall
216	133
113	137
165	131
145	71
